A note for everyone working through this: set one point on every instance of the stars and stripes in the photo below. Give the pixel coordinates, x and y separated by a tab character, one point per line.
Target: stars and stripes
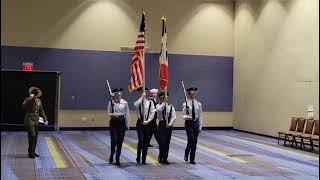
137	62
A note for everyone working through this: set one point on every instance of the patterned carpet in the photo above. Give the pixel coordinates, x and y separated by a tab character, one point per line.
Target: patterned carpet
221	154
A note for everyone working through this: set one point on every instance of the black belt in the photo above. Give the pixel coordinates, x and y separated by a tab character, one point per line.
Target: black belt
121	116
32	113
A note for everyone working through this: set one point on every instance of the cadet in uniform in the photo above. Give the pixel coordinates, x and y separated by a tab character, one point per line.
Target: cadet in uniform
118	110
193	123
140	111
154	98
149	124
167	117
34	110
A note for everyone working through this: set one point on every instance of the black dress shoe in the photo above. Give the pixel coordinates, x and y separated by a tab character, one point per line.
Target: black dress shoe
138	160
144	163
110	160
186	158
166	162
118	163
193	162
36	155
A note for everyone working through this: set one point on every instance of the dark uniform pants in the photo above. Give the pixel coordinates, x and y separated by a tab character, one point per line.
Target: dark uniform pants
154	129
117	132
139	127
192	130
147	131
32	129
165	137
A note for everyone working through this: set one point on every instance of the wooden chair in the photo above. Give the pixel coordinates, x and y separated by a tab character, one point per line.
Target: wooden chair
293	127
315	136
307	134
300	128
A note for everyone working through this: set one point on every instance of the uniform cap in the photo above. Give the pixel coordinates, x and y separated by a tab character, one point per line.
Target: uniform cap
192	89
33	88
117	90
154	91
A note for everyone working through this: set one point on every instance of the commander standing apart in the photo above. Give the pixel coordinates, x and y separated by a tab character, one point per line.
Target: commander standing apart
34	111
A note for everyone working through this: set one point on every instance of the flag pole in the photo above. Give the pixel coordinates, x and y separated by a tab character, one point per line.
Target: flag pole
144	67
166	89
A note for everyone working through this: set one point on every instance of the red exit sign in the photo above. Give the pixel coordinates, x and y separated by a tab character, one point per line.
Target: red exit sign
27	66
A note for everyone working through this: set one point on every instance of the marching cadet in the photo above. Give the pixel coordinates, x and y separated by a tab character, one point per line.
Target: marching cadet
154	98
192	110
149	123
118	110
167	117
140	111
34	110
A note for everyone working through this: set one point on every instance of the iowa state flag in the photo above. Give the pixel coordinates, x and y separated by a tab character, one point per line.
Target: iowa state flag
137	62
163	59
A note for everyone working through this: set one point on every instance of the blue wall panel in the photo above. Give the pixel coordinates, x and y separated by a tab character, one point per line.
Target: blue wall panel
84	74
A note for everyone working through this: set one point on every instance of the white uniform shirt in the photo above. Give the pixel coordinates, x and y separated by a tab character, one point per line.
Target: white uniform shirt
120	108
160	108
152	112
137	105
197	107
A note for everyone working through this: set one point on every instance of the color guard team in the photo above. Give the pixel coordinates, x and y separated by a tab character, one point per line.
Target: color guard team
148	110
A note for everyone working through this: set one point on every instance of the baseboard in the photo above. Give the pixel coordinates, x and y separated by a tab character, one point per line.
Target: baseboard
83	128
316	145
22	128
216	128
131	128
256	133
99	128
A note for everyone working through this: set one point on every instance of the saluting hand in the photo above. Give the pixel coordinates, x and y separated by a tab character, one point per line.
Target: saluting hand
32	96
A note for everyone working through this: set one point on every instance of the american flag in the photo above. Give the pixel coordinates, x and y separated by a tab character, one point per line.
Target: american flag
136	65
163	59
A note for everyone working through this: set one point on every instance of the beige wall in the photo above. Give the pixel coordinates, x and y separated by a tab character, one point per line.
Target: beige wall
193	26
98	118
196	27
276	55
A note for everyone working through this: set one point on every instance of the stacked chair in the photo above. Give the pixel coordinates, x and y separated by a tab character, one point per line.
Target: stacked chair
307	132
301	130
284	134
313	137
